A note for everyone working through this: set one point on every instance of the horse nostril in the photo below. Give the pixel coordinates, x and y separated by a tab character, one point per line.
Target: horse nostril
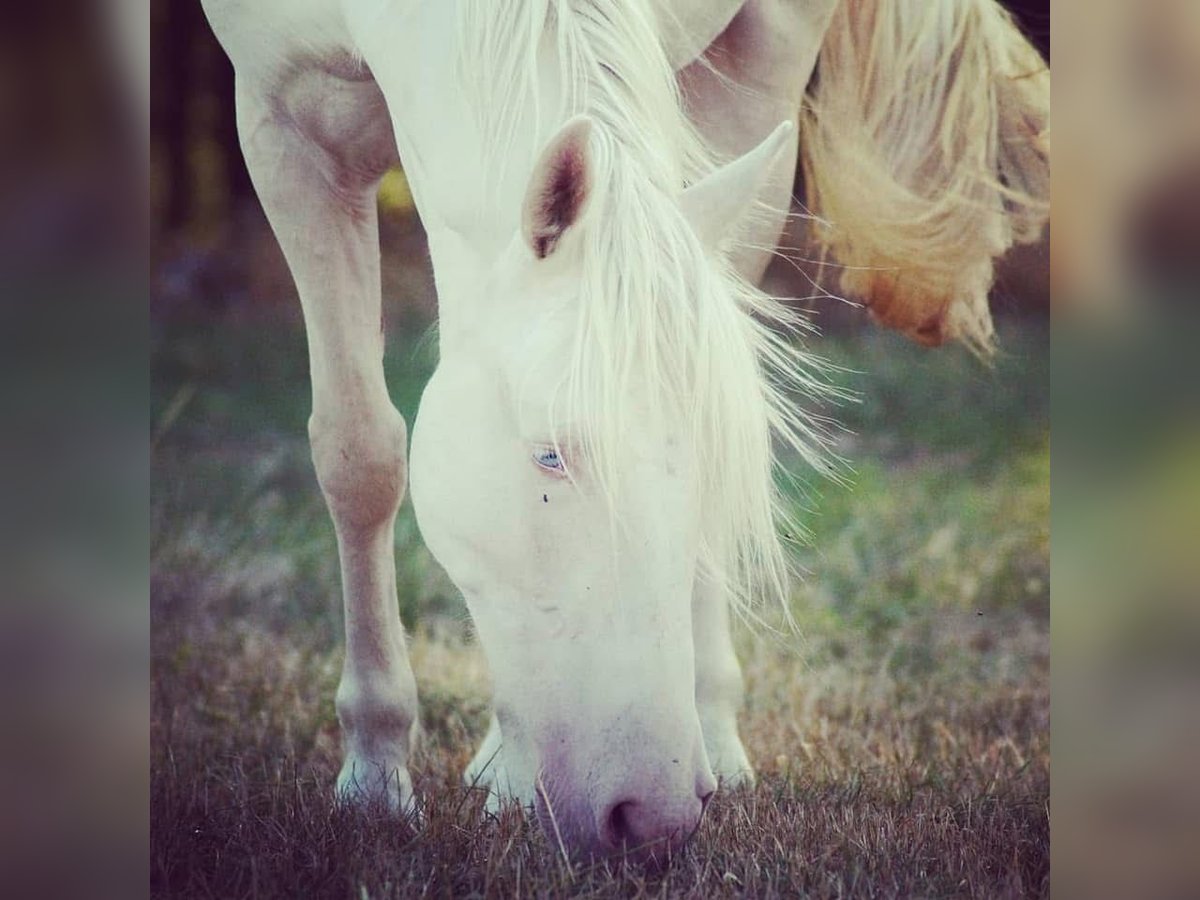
633	825
704	801
619	826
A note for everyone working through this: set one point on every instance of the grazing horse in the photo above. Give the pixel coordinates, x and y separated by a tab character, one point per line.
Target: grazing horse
593	458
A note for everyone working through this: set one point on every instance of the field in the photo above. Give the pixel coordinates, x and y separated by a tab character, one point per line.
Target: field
901	737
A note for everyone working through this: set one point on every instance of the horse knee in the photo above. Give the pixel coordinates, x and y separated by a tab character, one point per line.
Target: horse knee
361	466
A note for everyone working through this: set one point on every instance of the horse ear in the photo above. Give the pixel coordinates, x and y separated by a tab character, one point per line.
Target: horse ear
559	187
716	204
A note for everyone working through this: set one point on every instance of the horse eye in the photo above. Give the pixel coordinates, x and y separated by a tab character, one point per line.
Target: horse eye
548	458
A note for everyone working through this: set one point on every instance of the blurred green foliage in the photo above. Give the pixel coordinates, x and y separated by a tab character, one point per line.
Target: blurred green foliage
947	509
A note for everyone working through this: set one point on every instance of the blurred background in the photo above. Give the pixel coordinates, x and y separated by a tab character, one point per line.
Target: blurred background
73	461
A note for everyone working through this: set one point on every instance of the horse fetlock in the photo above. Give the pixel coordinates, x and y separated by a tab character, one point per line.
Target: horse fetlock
361	465
730	764
487	770
726	753
377	708
490	775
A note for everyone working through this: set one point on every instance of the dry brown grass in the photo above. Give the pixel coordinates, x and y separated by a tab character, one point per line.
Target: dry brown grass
871	784
902	744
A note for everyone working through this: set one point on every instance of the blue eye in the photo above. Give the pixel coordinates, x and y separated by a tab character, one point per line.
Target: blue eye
548	458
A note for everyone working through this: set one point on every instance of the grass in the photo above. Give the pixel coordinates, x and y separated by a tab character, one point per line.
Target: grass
902	740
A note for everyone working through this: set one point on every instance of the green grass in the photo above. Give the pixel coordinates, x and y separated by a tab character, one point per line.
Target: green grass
902	738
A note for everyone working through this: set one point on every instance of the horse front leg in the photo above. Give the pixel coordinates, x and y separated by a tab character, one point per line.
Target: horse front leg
719	689
316	169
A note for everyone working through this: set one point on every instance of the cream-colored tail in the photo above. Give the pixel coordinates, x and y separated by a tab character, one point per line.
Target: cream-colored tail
926	156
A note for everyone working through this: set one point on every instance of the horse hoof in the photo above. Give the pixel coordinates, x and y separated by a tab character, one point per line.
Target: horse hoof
373	786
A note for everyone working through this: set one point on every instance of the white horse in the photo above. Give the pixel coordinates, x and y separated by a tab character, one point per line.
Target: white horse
592	460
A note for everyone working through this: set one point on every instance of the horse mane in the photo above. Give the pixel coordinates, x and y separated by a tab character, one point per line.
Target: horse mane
940	109
711	352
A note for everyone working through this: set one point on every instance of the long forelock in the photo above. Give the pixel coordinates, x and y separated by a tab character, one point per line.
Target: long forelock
710	354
